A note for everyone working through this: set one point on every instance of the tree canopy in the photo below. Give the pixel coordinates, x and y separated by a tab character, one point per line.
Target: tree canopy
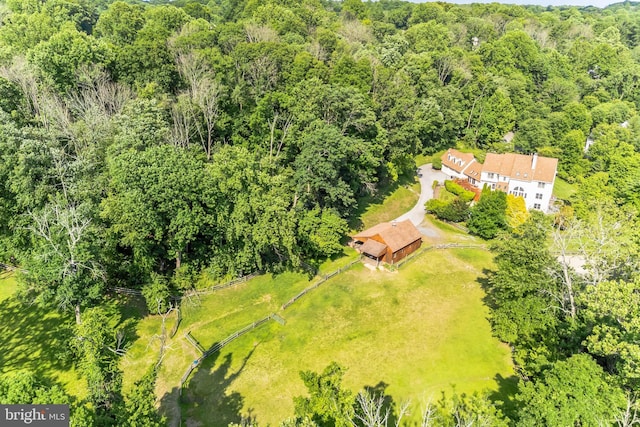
151	143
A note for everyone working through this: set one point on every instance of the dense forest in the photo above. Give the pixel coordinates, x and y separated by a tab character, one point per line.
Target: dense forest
145	144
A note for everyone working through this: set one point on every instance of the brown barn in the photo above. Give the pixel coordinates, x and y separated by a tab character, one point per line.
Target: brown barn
389	241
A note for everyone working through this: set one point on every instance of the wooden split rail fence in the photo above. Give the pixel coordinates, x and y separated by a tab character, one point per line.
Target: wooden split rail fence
218	346
194	342
212	289
320	282
195	292
433	247
176	299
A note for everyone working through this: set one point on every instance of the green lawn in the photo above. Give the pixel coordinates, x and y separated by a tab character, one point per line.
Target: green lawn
419	331
423	159
562	189
388	204
35	339
8	286
211	318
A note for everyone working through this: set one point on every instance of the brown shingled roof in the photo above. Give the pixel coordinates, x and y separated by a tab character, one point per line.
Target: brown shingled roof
373	248
466	158
474	170
520	166
395	236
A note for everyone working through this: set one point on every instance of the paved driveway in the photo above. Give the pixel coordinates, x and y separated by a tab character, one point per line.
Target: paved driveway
416	214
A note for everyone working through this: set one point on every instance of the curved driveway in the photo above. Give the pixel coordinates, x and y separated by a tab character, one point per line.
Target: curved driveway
416	214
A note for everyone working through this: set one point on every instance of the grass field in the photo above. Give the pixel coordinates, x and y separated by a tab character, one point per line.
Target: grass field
211	318
418	331
562	189
35	339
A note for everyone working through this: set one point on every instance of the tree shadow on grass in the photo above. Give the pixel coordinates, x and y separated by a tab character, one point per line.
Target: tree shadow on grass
388	404
503	397
485	283
206	399
34	338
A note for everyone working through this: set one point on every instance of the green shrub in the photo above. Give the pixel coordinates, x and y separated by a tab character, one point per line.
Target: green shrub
459	191
156	294
455	211
436	163
488	217
467	195
434	206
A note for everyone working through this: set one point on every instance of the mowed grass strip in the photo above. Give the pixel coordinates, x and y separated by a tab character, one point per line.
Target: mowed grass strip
415	332
36	339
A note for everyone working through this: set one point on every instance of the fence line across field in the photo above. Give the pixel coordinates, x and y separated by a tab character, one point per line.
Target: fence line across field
218	346
192	293
320	282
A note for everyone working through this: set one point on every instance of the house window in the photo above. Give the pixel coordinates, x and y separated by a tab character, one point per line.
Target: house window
539	196
541	185
519	191
536	206
493	186
490	175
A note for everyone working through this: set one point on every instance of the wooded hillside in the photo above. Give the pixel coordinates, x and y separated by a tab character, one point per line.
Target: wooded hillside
149	144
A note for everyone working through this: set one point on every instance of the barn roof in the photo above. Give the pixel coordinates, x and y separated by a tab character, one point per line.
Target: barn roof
374	248
396	235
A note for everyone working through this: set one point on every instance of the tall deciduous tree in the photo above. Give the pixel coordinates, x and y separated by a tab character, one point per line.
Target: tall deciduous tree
523	294
64	266
328	404
158	203
488	217
140	410
572	392
59	57
612	312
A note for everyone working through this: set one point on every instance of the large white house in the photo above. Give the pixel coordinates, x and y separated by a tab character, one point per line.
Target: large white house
531	177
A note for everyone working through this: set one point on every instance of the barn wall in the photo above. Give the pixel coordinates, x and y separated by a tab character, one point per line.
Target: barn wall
403	252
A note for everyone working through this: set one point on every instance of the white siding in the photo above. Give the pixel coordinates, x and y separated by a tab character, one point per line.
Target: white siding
450	172
533	194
